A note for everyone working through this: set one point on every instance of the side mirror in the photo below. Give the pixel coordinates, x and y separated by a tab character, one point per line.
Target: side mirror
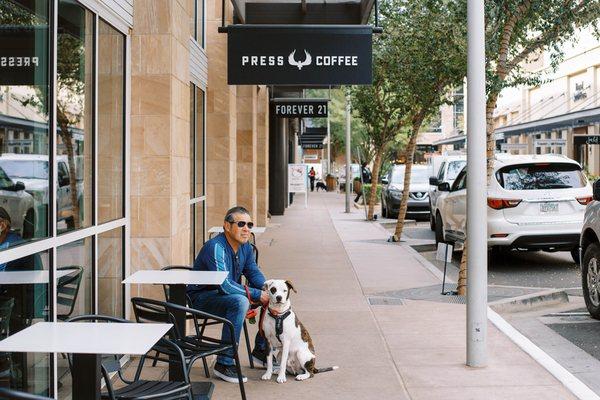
19	186
433	181
444	187
63	181
597	190
384	180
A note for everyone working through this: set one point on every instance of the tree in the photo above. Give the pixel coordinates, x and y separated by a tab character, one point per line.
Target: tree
521	31
381	109
428	52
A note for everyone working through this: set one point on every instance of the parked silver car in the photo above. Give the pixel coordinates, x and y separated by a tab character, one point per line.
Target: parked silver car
590	254
18	204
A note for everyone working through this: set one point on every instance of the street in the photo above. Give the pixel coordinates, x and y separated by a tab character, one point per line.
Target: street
562	328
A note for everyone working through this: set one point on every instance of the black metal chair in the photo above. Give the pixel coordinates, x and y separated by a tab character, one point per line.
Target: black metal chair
139	389
8	394
189	304
67	290
195	347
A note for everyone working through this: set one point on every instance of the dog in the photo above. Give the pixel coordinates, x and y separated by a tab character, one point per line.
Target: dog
321	185
288	338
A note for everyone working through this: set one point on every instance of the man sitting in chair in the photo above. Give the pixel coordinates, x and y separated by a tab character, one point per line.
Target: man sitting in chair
231	251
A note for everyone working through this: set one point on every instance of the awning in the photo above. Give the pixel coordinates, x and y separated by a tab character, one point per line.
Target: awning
461	138
570	120
303	11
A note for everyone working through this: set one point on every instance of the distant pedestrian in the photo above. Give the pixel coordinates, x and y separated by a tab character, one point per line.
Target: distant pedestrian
366	178
312	175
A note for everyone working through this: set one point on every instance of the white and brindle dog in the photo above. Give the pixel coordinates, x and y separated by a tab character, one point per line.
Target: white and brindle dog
288	340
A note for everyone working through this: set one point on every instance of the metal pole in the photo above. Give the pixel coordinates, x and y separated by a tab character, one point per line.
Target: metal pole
477	188
348	158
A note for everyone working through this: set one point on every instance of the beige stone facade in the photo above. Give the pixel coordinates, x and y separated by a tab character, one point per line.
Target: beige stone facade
236	161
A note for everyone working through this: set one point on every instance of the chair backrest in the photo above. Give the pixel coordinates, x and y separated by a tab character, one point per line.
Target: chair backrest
9	394
149	310
6	306
170	268
68	289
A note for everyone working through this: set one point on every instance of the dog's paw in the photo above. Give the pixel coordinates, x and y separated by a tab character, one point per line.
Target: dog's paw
281	379
302	377
266	376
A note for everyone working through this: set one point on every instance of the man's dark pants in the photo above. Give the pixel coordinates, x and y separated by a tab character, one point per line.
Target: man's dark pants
232	307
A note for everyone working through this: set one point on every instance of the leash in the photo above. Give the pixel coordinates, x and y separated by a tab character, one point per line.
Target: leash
251	314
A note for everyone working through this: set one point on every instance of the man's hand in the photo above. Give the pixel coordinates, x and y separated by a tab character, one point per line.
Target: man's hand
264	298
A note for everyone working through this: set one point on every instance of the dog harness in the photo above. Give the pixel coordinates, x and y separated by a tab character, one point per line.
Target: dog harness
279	318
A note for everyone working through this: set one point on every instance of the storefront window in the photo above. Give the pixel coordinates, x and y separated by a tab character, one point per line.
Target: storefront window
74	116
110	273
24	302
111	93
197	187
197	26
24	128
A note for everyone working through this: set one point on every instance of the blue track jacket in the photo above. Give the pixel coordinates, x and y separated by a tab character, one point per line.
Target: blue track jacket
217	255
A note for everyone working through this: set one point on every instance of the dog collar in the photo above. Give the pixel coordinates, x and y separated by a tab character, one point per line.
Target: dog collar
279	318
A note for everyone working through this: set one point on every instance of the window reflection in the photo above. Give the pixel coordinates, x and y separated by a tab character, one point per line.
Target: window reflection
23	302
110	273
74	117
24	116
111	87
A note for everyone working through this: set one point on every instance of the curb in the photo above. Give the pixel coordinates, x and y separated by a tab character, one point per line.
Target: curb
569	381
530	301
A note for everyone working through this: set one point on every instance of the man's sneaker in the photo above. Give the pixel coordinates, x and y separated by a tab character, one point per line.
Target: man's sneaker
228	373
259	357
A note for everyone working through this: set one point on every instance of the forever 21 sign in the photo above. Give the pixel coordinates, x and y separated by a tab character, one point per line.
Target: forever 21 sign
291	55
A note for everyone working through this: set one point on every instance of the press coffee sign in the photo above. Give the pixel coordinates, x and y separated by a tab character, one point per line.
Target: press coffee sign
299	108
586	139
299	55
23	54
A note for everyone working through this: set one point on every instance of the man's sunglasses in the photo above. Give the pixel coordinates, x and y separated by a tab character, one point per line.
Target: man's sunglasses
242	224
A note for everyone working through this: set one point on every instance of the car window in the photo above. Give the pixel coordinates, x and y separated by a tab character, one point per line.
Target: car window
62	172
460	182
418	175
540	176
25	169
5	182
454	169
441	172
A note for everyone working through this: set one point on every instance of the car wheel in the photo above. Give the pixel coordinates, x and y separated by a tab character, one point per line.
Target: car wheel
439	229
432	221
28	225
576	256
590	279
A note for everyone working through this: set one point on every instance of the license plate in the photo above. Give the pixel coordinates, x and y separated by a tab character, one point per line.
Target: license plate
548	207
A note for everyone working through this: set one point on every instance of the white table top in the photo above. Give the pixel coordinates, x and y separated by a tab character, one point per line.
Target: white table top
85	338
178	277
257	230
29	277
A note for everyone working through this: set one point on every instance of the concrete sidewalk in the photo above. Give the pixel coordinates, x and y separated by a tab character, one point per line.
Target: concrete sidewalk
402	350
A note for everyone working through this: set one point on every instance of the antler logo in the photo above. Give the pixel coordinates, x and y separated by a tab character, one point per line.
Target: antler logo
300	64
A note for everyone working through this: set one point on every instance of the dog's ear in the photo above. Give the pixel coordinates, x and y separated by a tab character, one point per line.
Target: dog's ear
290	286
266	284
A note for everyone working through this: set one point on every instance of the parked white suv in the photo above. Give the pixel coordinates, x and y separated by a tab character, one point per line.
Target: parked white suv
448	170
535	202
33	170
590	251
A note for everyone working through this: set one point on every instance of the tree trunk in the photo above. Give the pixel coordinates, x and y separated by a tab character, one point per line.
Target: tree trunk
491	137
410	156
491	151
374	183
67	139
461	287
